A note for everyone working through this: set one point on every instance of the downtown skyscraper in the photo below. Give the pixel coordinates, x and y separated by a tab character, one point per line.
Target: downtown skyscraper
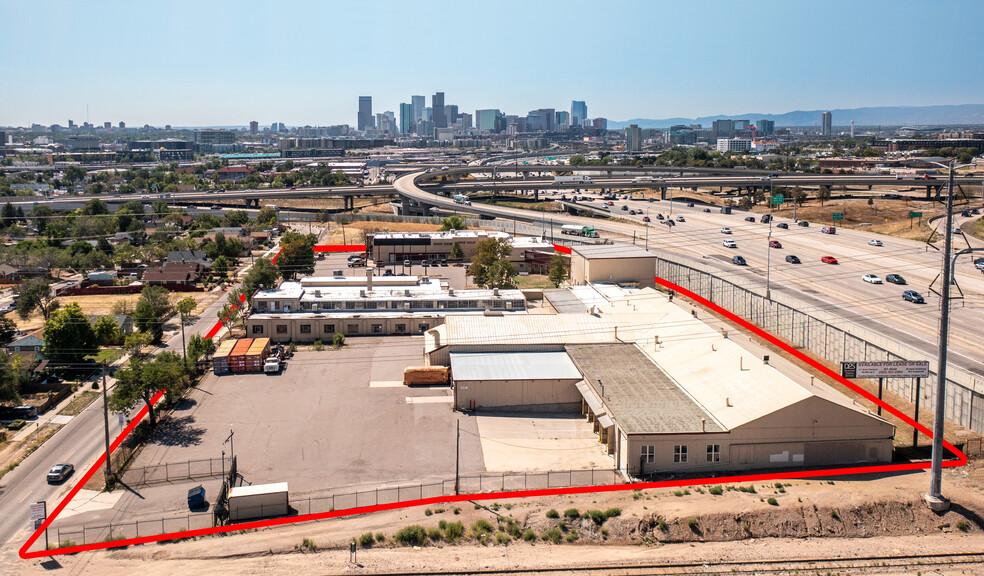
366	120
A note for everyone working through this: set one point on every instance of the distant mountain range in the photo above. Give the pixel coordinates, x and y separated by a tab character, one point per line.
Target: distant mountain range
874	116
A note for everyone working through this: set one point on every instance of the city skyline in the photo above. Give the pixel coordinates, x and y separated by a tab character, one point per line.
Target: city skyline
163	78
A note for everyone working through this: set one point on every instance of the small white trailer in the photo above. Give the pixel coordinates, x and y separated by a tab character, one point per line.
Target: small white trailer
258	501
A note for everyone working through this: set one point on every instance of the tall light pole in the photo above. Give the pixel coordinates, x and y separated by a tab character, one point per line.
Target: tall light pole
768	255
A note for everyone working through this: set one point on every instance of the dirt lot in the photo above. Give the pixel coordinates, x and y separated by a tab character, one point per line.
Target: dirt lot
103	305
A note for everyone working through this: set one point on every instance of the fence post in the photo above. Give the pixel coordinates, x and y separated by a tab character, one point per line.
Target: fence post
309	504
58	530
162	525
83	534
137	528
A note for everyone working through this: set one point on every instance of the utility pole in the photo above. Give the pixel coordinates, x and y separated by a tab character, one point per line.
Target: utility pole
184	349
768	255
109	468
935	497
457	441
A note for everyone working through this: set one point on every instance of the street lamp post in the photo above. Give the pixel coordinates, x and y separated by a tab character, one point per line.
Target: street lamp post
768	255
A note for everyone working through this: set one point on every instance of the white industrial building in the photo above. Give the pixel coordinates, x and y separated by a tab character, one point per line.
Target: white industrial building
665	392
395	247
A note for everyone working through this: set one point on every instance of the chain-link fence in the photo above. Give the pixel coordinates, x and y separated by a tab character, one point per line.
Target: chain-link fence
176	471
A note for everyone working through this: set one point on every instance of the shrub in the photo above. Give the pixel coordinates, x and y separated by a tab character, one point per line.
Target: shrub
529	535
572	536
338	340
507	506
613	512
16	425
661	523
834	515
552	535
453	531
963	526
604	532
308	544
693	524
434	533
318	346
513	529
457	511
502	538
428	512
597	516
772	502
749	489
442	524
553	513
380	537
366	540
572	513
716	490
412	536
562	526
678	493
481	526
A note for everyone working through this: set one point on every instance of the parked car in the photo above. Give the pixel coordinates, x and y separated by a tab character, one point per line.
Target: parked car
792	259
782	225
871	279
59	472
874	242
729	243
725	230
913	296
895	279
749	218
774	244
407	263
803	223
739	261
828	260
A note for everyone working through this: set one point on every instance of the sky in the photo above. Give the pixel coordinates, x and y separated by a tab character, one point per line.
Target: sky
214	63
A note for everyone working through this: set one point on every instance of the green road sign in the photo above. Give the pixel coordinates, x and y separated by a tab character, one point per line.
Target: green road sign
778	199
838	216
915	214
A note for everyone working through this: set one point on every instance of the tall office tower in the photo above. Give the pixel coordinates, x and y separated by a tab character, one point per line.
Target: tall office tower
254	128
633	138
108	125
579	112
466	120
365	113
273	127
390	116
562	121
427	114
417	103
281	127
600	123
827	119
451	111
485	119
741	124
71	124
406	118
437	111
766	127
122	125
723	128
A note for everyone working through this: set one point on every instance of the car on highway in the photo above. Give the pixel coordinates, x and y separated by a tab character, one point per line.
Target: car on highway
803	223
690	204
828	230
913	296
828	260
708	210
632	212
59	472
669	222
680	219
792	259
871	279
766	218
895	279
775	244
659	216
893	196
725	230
957	230
874	242
782	225
979	263
293	187
216	207
624	207
738	260
749	218
729	243
965	213
645	219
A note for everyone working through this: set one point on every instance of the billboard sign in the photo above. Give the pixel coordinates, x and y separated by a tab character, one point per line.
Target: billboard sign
900	369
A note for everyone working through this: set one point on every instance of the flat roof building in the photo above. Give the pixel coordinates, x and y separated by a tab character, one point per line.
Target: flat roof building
619	263
395	247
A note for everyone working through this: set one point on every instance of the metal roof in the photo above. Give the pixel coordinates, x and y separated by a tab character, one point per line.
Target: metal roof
513	366
255	489
641	397
528	329
608	251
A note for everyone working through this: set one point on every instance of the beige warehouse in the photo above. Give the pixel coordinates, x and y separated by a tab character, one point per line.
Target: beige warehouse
614	263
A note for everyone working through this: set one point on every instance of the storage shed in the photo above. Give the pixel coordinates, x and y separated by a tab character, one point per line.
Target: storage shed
521	381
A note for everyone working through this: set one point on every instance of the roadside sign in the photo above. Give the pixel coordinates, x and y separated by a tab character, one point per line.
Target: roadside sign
121	419
837	216
39	511
915	214
899	369
778	199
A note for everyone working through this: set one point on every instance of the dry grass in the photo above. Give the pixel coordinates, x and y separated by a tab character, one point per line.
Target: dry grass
102	305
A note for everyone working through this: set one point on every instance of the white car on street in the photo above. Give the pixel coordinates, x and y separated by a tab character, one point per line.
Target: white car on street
874	242
871	279
725	230
729	243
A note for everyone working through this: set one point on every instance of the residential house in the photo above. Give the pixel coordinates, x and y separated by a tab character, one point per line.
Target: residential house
173	273
29	345
124	321
234	173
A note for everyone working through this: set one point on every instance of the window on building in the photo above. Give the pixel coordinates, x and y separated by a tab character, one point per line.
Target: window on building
648	454
261	305
423	328
281	328
680	454
713	452
257	329
377	328
352	329
329	328
305	328
401	328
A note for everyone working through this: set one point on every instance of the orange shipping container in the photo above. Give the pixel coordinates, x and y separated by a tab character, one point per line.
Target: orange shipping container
237	358
220	360
256	354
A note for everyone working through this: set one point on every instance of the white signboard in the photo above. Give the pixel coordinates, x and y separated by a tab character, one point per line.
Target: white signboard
38	514
900	369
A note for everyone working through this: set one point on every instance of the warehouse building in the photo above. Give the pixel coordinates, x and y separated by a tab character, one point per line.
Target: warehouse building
615	263
664	392
395	247
317	308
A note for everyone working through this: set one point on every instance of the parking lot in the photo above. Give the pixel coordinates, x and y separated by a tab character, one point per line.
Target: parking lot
453	274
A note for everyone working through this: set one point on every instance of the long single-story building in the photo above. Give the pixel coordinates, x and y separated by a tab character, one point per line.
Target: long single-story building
395	247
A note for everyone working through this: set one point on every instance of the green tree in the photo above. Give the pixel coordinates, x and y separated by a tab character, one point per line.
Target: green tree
296	254
143	380
107	331
490	266
68	336
267	216
559	270
823	194
262	275
456	252
7	330
184	308
95	207
577	160
12	377
237	218
74	174
199	347
148	316
79	248
220	267
35	293
453	222
8	215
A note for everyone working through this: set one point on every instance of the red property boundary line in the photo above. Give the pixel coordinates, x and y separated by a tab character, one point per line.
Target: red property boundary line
961	458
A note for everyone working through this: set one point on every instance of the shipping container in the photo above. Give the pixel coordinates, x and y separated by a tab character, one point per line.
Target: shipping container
258	501
220	360
237	358
257	353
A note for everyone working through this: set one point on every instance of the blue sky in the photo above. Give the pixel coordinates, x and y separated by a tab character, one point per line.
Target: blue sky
226	63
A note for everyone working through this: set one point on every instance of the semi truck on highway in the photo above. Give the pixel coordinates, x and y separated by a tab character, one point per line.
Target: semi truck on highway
462	199
572	179
575	230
